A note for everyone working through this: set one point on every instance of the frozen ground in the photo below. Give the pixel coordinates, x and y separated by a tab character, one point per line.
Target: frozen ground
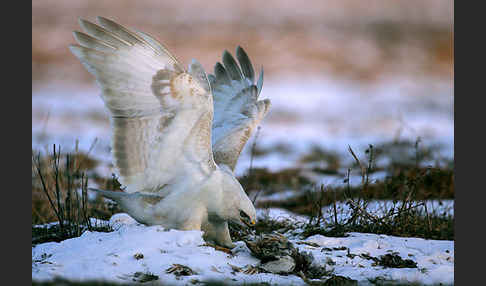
117	256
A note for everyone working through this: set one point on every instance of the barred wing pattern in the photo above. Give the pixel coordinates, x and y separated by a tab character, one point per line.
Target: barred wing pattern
237	110
161	115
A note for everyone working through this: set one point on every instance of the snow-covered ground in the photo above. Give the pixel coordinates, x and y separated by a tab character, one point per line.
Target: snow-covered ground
134	248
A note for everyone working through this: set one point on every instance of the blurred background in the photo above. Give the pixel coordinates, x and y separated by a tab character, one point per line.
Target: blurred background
338	72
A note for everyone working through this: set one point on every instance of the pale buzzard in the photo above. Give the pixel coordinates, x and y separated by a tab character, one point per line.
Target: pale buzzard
176	134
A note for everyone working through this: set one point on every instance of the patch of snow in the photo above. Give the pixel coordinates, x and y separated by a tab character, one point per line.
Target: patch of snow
434	258
280	215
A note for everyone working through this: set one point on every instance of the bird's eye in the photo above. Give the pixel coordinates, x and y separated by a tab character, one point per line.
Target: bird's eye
244	215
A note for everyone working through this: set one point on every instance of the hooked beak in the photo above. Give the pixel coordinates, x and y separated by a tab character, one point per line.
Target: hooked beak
248	223
246	220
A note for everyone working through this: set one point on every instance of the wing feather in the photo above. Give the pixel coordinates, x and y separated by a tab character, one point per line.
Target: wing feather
231	66
197	71
237	110
246	66
161	116
157	45
222	75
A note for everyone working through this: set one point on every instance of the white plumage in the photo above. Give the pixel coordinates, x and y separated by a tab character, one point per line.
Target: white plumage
175	162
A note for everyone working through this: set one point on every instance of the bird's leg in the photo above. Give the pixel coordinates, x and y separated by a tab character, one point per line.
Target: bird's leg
218	232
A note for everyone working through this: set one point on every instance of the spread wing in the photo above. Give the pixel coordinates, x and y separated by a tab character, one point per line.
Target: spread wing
161	115
237	110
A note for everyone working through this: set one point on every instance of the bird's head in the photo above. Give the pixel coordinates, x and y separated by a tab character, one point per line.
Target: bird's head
247	213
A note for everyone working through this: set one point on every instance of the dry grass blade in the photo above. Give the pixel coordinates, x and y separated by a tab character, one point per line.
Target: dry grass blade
38	166
180	270
362	168
250	172
219	248
364	212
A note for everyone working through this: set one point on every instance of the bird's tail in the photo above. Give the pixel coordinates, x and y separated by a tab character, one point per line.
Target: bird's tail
116	196
138	205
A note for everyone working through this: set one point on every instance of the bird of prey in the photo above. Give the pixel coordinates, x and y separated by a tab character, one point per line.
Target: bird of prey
176	133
